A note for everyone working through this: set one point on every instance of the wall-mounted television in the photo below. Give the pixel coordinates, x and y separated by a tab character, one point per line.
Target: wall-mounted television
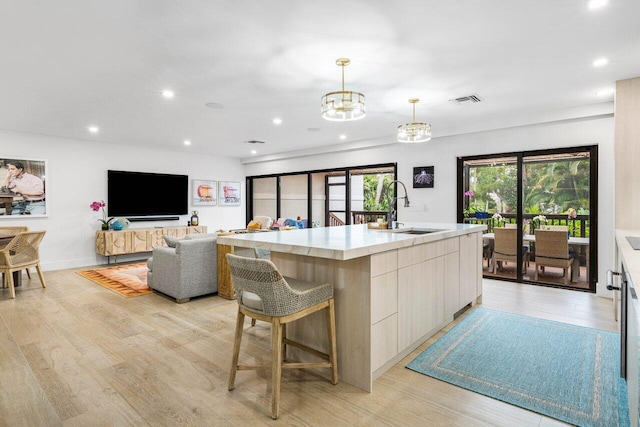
141	194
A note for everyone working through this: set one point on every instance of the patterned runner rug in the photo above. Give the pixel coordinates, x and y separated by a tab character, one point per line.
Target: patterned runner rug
567	372
127	280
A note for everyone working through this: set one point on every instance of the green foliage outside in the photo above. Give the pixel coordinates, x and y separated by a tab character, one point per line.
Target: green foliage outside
376	197
549	187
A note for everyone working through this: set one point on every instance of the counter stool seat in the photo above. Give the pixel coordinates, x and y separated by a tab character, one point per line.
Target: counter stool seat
264	294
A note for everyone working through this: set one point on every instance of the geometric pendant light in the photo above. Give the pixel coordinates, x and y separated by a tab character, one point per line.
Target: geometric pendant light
343	106
414	131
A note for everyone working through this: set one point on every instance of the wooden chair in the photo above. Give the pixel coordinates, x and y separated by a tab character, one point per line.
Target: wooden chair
8	233
21	253
264	294
552	250
505	247
564	228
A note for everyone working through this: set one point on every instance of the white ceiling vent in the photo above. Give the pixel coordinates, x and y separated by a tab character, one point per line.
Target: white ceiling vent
253	141
464	100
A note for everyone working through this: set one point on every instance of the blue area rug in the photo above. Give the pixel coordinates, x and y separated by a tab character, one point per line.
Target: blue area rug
563	371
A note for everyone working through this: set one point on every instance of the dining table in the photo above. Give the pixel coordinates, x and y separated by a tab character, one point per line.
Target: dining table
576	242
6	201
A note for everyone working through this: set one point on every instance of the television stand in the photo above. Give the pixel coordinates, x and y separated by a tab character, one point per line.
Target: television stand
112	243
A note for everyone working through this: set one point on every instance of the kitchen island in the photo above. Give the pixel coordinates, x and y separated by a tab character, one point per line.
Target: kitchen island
393	289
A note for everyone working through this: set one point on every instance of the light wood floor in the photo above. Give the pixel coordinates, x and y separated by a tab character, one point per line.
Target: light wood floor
77	354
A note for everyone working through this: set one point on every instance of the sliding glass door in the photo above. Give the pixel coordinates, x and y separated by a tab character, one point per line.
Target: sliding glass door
551	190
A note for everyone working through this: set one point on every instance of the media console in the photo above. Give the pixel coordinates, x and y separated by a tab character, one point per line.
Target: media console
111	243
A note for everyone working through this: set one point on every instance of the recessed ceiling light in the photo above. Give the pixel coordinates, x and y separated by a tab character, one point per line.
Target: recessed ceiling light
277	121
600	62
343	136
597	4
605	92
187	142
168	93
94	129
253	151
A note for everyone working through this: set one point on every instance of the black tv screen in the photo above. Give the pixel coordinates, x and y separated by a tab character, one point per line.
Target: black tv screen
131	194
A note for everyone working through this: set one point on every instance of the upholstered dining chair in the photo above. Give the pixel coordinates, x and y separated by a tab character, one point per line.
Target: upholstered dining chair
505	247
264	294
21	253
552	250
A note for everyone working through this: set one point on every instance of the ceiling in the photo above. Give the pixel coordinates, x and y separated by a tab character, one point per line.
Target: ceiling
70	64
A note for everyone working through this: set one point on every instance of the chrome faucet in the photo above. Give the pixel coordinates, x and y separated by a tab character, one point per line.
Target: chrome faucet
393	201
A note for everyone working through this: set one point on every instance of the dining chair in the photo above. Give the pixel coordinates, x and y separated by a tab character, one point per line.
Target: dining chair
264	294
21	253
505	247
552	250
564	228
8	233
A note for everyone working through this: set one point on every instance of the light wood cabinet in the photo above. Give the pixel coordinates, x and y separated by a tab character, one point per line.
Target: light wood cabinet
470	271
422	286
387	303
138	240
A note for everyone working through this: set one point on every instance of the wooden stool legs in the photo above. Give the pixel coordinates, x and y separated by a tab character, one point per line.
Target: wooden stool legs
278	351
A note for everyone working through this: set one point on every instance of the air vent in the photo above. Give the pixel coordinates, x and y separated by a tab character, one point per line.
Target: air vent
471	99
253	141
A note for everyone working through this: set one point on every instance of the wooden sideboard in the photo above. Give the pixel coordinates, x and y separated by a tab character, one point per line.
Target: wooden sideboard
111	243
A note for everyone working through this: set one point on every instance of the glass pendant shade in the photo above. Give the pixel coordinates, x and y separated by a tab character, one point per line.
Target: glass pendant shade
342	106
415	131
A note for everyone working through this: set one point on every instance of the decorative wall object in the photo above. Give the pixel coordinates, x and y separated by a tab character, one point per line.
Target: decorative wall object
229	193
18	176
423	177
205	193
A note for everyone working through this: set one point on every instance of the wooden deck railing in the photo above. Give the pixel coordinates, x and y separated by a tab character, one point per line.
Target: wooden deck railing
364	217
334	220
578	226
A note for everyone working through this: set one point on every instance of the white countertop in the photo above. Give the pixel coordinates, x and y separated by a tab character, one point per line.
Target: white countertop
345	242
629	256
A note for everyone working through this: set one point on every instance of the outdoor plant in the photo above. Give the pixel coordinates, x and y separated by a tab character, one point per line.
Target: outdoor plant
538	220
469	210
498	220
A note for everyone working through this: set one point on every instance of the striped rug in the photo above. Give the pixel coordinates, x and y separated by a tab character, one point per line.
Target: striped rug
567	372
128	280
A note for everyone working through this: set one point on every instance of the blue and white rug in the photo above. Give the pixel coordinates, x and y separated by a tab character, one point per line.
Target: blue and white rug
567	372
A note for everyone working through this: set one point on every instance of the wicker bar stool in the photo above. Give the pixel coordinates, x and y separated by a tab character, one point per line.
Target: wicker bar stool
264	294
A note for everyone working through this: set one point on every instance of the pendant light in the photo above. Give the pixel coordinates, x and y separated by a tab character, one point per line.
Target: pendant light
344	105
414	131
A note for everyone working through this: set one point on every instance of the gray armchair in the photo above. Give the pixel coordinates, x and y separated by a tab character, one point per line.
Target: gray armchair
189	269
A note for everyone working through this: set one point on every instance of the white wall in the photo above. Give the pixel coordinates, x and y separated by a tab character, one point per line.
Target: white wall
77	175
438	204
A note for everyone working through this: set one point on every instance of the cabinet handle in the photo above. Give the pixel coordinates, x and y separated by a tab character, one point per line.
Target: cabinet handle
610	274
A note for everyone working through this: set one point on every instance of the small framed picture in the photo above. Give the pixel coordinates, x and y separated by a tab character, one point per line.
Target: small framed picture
423	177
204	193
229	193
23	184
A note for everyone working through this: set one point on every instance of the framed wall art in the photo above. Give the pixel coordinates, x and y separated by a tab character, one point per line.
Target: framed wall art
423	177
204	193
23	188
229	193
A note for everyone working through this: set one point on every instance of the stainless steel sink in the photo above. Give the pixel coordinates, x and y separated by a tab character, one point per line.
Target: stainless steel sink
412	230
